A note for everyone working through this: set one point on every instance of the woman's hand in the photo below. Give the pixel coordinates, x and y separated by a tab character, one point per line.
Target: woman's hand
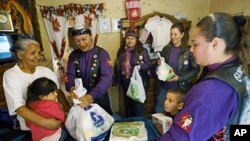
175	78
159	62
72	94
50	123
33	117
86	100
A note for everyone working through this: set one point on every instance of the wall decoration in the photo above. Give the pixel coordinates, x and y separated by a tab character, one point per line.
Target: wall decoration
24	17
104	25
116	24
6	22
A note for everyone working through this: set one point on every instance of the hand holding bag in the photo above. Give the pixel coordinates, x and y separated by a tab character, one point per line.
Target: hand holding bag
136	89
164	71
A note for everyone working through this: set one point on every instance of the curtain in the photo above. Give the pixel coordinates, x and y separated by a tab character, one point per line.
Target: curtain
87	14
56	19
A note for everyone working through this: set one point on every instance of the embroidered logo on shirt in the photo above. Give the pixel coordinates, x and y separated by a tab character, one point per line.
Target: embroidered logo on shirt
108	62
185	121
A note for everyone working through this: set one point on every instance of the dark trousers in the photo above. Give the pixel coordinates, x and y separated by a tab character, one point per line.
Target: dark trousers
133	108
65	136
15	135
104	102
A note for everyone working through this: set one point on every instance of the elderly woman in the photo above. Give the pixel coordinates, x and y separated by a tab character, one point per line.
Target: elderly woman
16	81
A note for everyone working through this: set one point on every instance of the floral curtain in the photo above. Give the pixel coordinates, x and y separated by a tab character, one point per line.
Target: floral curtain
56	22
87	14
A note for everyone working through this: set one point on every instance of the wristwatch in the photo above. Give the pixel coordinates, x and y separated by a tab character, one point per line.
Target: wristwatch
3	18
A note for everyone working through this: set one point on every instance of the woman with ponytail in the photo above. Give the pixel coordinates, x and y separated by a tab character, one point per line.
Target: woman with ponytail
213	103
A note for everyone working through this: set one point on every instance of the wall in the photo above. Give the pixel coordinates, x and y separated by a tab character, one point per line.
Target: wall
231	6
116	9
193	9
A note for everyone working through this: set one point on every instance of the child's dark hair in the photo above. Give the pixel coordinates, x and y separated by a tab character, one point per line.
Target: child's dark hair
40	87
179	92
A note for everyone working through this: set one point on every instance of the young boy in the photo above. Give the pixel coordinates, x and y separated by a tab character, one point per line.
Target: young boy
174	102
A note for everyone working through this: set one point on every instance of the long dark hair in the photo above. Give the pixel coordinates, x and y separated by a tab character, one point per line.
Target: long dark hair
40	87
181	28
138	48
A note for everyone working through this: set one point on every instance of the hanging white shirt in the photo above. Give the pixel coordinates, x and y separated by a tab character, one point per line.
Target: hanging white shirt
160	30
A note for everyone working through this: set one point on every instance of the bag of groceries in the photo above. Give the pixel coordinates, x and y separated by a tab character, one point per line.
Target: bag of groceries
164	71
88	124
136	89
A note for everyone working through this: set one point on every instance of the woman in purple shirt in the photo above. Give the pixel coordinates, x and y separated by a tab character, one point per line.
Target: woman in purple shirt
93	65
178	56
130	55
212	103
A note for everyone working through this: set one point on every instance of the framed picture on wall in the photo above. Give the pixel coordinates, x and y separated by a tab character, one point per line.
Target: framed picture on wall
24	19
104	25
116	24
6	24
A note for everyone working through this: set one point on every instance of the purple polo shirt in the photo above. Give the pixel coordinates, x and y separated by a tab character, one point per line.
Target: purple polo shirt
208	106
173	62
105	74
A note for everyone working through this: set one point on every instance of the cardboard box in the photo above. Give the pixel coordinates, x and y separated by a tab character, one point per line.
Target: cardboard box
161	122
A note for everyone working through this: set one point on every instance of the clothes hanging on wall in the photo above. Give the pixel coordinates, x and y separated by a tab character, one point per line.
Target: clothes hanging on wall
159	28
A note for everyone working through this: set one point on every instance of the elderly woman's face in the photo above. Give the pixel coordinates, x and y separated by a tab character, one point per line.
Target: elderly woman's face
31	57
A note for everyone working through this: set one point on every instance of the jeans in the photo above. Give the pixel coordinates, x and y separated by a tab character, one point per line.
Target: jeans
65	136
159	105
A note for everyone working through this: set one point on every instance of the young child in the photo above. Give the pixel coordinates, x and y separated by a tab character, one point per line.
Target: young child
41	98
174	101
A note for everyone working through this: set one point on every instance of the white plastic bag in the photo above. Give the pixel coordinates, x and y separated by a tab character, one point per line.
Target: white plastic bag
136	89
164	71
70	122
91	124
79	90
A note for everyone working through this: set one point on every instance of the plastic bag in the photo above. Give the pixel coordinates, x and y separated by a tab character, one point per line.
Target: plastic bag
164	71
79	90
136	89
90	124
70	122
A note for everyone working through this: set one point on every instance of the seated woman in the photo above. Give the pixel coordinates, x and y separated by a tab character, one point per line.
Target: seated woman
15	83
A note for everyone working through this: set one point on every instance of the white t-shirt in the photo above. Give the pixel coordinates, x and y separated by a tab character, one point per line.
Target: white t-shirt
16	82
160	30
